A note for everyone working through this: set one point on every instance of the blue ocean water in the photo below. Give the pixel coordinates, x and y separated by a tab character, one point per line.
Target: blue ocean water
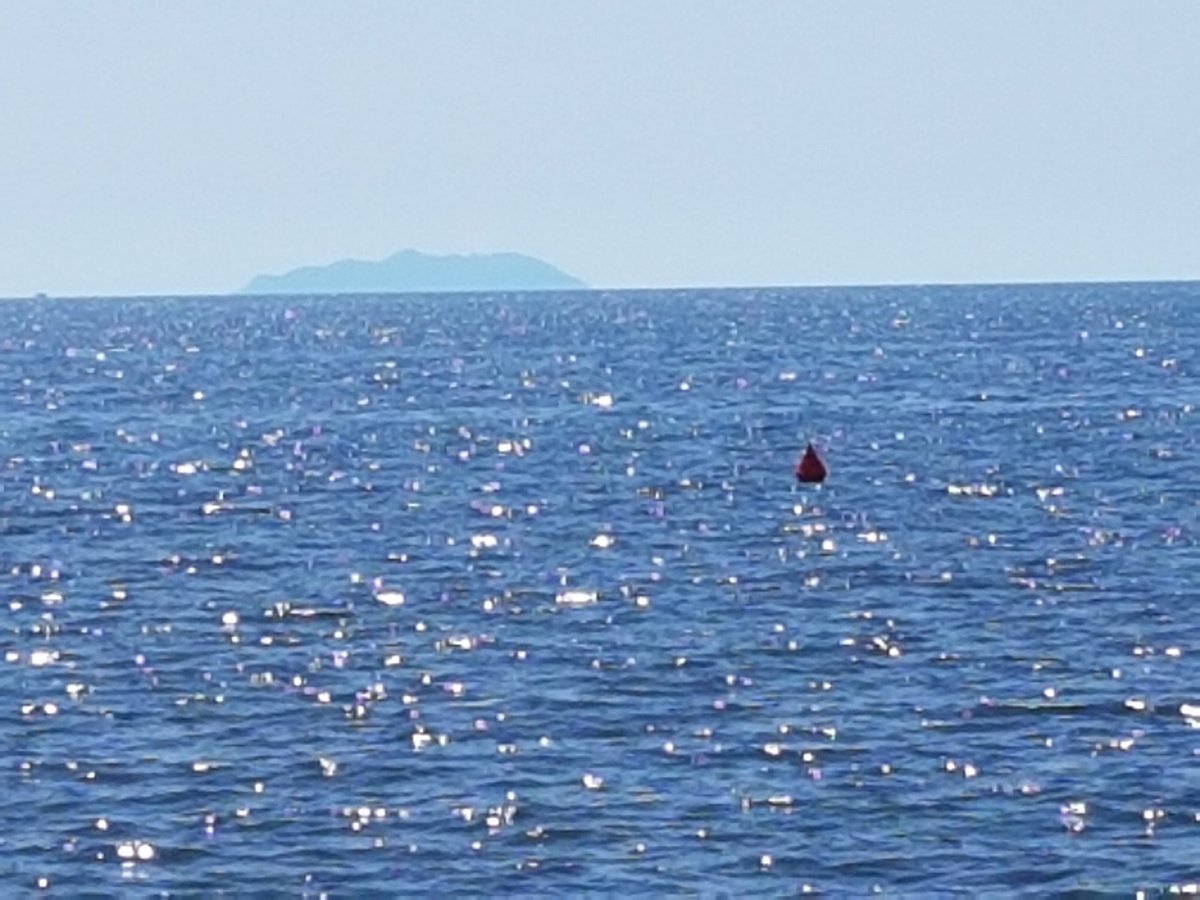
518	593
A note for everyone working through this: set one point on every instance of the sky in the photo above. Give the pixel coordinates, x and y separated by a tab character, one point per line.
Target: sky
151	147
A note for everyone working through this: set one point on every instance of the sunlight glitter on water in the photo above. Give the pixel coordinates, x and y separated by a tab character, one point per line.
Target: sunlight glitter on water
514	546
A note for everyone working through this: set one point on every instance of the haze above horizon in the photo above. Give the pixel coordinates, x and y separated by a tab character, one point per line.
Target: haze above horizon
169	148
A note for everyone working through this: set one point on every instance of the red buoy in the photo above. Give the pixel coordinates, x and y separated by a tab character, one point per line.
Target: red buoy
810	469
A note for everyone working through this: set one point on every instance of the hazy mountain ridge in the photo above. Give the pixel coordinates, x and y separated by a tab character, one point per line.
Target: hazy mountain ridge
411	271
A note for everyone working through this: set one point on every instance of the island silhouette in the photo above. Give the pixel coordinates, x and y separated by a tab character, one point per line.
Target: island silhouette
411	271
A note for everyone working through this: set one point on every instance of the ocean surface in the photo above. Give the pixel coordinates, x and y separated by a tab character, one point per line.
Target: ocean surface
518	594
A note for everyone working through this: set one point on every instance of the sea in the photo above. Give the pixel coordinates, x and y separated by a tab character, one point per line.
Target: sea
518	594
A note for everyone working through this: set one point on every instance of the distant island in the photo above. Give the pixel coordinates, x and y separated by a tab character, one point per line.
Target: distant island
410	271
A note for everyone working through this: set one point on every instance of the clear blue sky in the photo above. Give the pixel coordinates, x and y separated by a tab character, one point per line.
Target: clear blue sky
156	147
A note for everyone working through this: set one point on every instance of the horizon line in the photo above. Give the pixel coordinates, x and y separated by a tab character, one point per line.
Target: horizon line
591	289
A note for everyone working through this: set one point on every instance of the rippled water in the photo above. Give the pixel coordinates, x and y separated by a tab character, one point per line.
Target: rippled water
518	594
